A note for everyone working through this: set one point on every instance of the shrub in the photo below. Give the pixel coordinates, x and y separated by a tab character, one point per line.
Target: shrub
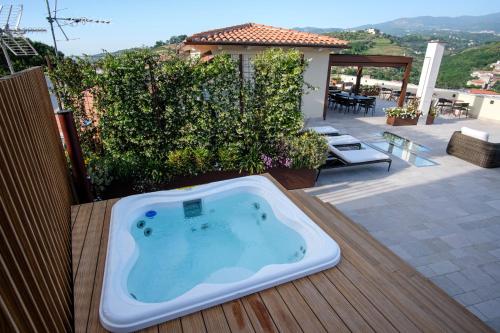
370	90
308	150
150	118
278	83
229	157
251	161
189	161
100	171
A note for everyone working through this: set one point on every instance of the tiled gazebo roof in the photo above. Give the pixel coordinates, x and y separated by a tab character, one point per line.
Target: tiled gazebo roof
259	34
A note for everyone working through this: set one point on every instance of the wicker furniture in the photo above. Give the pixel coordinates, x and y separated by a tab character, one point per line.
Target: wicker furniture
482	153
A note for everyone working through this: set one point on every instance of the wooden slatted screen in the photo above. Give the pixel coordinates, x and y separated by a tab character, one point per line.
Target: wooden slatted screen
35	204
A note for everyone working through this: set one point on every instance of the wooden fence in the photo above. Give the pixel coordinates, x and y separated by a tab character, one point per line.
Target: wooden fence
35	203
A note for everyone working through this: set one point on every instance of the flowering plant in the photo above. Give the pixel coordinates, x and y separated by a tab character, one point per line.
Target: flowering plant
410	111
402	112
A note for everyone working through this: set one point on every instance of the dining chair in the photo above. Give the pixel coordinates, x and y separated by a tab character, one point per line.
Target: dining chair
461	108
367	104
444	105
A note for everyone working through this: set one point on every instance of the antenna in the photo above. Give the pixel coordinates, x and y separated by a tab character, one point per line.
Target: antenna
12	36
65	21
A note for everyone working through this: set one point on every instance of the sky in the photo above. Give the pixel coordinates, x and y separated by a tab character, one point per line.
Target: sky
141	23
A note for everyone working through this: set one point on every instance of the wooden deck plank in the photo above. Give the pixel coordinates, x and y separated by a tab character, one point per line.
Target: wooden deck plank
370	290
340	304
193	323
85	275
214	319
395	315
78	234
152	329
282	317
427	318
74	214
94	324
171	326
237	317
258	314
397	304
418	285
300	309
427	310
322	309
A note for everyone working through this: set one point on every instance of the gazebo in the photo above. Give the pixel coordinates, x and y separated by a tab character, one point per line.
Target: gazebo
361	61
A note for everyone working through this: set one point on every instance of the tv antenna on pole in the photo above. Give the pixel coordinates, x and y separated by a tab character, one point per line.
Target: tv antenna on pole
12	36
65	21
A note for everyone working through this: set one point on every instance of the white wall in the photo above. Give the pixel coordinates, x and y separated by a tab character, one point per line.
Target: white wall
315	75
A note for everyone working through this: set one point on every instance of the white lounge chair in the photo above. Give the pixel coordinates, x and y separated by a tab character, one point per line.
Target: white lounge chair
325	130
343	141
367	155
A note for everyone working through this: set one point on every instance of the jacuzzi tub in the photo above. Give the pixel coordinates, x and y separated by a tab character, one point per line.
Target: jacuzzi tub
171	253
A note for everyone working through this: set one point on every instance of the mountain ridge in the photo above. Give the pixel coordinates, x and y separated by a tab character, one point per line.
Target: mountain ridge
408	25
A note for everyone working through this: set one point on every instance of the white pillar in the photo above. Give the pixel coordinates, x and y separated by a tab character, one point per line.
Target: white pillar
430	71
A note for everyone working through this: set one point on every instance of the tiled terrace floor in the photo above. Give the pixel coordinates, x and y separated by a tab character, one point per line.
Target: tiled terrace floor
444	220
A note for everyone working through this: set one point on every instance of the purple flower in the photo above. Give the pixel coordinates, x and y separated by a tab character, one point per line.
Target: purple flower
268	161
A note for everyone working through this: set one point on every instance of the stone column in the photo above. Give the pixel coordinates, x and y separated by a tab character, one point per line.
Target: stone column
430	71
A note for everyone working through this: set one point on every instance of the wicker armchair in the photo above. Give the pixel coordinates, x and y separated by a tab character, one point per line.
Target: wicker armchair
482	153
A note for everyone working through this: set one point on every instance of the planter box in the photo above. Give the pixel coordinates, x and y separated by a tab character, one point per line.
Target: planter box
291	179
395	121
429	120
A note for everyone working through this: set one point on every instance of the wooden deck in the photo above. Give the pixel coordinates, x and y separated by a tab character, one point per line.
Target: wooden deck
371	289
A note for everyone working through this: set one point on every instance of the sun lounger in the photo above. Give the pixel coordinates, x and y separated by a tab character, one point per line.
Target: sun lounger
354	157
367	155
325	130
343	141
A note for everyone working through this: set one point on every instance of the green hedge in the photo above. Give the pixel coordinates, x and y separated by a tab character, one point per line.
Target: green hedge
153	119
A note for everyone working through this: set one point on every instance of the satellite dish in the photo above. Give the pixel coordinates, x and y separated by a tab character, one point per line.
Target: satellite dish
12	37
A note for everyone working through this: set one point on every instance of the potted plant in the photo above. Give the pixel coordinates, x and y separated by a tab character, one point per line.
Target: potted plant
431	115
403	116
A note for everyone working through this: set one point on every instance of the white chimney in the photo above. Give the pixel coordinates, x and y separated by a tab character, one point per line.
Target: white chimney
430	70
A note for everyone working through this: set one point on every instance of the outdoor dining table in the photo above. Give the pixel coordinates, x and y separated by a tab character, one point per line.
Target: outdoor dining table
460	106
355	97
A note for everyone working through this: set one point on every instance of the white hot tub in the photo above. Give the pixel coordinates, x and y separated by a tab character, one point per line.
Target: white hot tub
171	253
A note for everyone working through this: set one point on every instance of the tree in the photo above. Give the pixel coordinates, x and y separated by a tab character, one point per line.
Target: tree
20	63
496	87
172	40
159	43
177	39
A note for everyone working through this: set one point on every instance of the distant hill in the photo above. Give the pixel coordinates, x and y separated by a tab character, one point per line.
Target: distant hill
317	30
402	26
464	53
456	69
410	25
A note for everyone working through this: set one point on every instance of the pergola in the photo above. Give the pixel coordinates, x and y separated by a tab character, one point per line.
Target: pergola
361	61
